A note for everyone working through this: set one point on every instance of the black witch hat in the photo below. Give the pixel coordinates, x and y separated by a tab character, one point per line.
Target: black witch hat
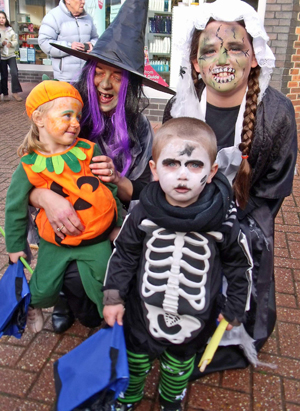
122	43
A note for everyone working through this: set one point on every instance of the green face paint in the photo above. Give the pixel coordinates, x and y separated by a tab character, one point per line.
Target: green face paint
225	57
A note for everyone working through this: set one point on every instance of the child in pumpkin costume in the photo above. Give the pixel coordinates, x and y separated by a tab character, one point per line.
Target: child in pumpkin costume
55	158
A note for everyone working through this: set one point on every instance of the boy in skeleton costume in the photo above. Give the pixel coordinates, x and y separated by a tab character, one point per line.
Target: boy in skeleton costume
168	262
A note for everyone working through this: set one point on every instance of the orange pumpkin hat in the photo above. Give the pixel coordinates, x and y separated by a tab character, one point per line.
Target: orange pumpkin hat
49	90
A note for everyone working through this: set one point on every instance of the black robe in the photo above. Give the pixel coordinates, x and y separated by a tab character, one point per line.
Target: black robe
272	157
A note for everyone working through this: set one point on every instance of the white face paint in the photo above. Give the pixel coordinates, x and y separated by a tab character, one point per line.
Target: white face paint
183	168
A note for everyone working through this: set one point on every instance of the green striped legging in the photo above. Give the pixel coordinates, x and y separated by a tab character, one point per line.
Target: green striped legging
174	377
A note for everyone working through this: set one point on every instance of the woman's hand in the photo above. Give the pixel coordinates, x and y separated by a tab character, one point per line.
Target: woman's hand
77	46
113	313
15	256
60	212
104	168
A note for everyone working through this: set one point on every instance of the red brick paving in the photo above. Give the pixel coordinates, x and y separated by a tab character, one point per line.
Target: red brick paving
26	365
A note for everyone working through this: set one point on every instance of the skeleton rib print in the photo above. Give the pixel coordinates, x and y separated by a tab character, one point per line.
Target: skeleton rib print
176	267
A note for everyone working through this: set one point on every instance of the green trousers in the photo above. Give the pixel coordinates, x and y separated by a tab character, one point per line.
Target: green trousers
47	279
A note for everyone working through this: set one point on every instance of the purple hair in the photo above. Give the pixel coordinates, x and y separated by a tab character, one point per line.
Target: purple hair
118	142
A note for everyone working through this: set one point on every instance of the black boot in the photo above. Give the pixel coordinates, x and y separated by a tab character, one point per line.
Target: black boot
62	316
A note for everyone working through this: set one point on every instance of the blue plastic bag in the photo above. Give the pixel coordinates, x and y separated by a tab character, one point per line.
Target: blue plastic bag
14	301
98	365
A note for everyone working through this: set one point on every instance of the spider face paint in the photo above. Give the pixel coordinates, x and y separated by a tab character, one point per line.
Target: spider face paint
183	168
225	57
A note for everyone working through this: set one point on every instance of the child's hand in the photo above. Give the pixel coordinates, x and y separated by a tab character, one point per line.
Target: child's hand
113	313
229	326
15	256
114	233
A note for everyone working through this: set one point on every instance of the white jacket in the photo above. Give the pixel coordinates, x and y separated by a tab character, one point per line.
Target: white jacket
10	36
59	26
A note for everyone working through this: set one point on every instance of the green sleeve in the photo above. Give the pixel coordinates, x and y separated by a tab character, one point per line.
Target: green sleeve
16	209
113	188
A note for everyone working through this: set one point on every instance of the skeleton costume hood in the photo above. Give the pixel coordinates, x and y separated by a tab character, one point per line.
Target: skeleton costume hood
186	102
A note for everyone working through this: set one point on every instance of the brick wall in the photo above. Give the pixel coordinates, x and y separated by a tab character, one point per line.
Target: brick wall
282	24
155	110
32	76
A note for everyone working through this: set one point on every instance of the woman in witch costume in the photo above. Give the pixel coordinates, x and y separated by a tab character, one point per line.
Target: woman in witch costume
111	89
226	69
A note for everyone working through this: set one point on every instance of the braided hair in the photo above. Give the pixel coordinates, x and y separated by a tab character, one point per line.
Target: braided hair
242	182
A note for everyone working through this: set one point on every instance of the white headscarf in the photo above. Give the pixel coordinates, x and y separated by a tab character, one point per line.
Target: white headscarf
187	103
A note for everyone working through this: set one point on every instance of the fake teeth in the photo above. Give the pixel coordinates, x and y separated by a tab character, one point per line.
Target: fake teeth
224	79
218	70
223	74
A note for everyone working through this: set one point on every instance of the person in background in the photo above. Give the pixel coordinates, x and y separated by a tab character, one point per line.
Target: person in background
111	89
8	44
68	25
224	79
166	270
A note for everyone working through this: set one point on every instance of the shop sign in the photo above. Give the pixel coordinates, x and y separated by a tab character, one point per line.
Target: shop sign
151	74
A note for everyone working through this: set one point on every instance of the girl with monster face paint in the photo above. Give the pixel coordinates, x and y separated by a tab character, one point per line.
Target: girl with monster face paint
224	60
227	66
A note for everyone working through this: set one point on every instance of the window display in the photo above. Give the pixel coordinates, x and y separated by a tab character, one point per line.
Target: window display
25	18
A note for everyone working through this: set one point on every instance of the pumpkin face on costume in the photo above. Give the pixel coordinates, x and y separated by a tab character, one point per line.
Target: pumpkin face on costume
69	175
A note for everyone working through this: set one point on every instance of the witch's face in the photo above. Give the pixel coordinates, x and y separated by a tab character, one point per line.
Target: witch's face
225	57
108	82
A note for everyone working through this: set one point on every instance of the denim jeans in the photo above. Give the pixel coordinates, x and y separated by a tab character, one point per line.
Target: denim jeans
15	84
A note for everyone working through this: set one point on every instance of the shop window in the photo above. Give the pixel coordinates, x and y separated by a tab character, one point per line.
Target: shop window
111	10
35	3
26	17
